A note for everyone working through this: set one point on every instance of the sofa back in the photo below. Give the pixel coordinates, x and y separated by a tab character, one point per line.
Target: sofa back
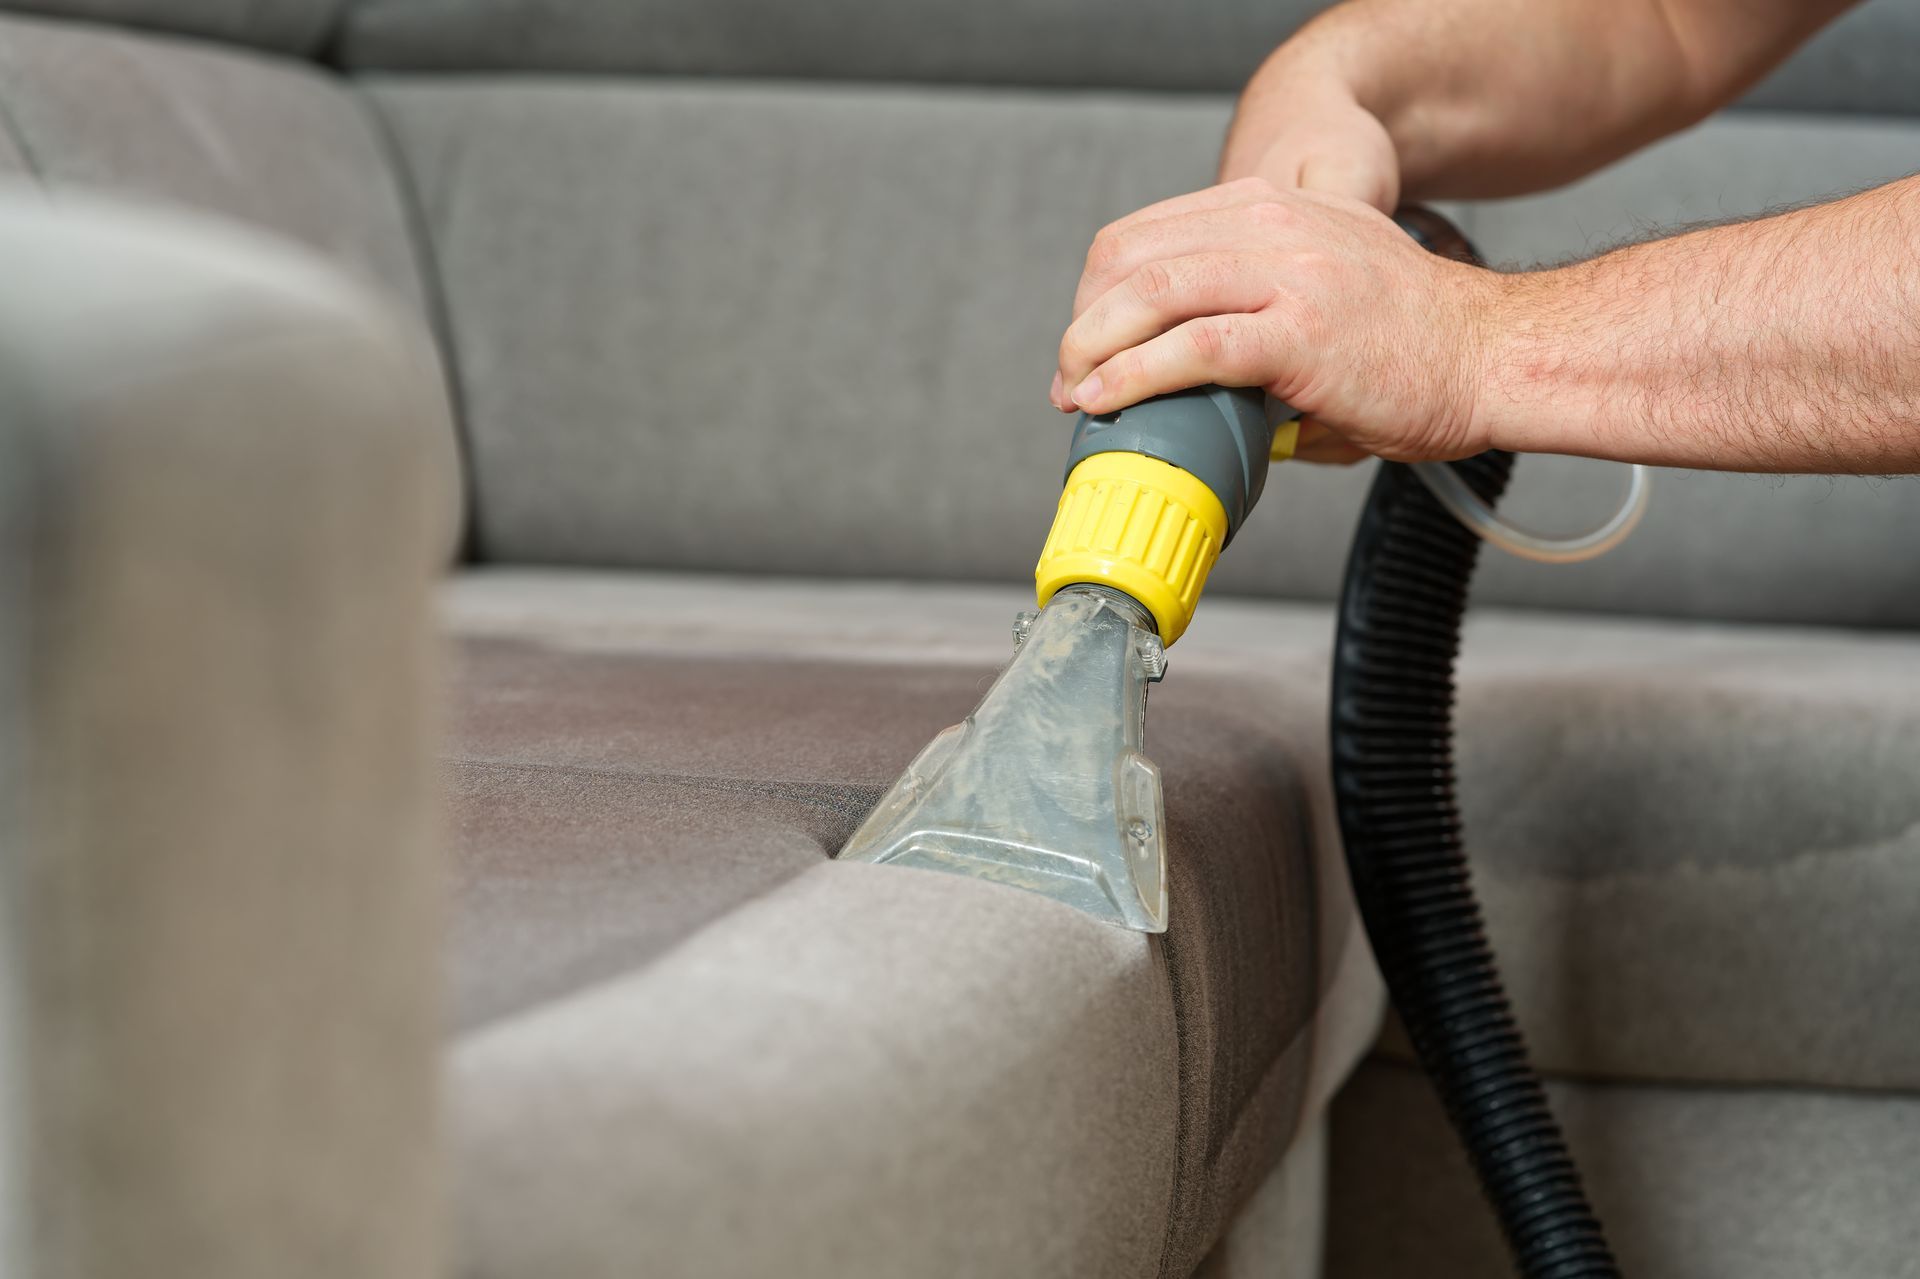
734	285
297	27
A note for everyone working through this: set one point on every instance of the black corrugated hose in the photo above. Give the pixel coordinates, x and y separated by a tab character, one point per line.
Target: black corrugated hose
1399	630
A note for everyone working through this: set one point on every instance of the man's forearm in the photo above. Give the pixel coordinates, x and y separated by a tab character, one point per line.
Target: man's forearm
1787	344
1499	97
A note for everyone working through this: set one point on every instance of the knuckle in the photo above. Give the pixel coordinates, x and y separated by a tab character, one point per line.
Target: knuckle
1271	213
1154	284
1211	340
1313	265
1103	254
1293	322
1073	348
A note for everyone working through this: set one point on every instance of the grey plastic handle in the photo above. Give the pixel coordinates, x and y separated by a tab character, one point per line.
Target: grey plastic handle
1223	435
1219	435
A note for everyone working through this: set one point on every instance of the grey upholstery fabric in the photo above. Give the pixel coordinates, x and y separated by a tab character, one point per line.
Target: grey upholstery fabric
728	615
748	320
658	371
16	1100
1691	1183
866	1072
1727	168
291	26
258	139
1664	817
626	801
1280	1232
1137	44
1813	550
12	164
1699	848
1866	63
221	497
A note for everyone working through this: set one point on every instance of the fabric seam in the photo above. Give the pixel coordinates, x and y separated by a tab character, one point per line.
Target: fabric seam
426	259
10	125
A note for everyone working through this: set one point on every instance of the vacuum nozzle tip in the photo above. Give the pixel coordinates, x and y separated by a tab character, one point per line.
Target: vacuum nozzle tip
1045	786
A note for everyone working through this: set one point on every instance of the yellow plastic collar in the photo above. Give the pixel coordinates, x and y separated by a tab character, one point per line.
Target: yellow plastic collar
1138	525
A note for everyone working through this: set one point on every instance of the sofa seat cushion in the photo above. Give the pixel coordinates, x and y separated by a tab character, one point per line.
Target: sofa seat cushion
1692	1183
1696	844
686	1039
1699	846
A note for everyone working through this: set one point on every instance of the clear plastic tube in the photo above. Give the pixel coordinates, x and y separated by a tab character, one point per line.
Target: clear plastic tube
1465	505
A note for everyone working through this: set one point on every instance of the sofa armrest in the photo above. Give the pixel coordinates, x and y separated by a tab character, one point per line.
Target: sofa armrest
225	485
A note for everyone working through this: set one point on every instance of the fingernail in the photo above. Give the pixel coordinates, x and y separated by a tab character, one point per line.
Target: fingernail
1088	391
1053	393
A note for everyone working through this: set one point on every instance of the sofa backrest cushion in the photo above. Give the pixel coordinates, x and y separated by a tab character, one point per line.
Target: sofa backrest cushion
807	328
252	137
1869	61
286	26
260	139
773	328
1133	44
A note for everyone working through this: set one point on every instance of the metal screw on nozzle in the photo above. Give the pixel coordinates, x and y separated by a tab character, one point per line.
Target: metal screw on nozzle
1153	657
1022	624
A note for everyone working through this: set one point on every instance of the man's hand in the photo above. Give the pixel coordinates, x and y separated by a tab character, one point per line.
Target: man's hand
1782	344
1319	299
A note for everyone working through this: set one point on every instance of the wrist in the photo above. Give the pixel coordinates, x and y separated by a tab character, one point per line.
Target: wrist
1295	81
1303	128
1538	376
1347	53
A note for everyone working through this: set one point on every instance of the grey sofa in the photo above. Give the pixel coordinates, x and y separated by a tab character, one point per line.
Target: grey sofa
706	341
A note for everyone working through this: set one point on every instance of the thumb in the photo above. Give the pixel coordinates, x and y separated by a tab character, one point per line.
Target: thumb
1318	443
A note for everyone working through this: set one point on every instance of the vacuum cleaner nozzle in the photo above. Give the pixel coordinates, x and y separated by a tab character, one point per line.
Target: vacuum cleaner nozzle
1045	786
